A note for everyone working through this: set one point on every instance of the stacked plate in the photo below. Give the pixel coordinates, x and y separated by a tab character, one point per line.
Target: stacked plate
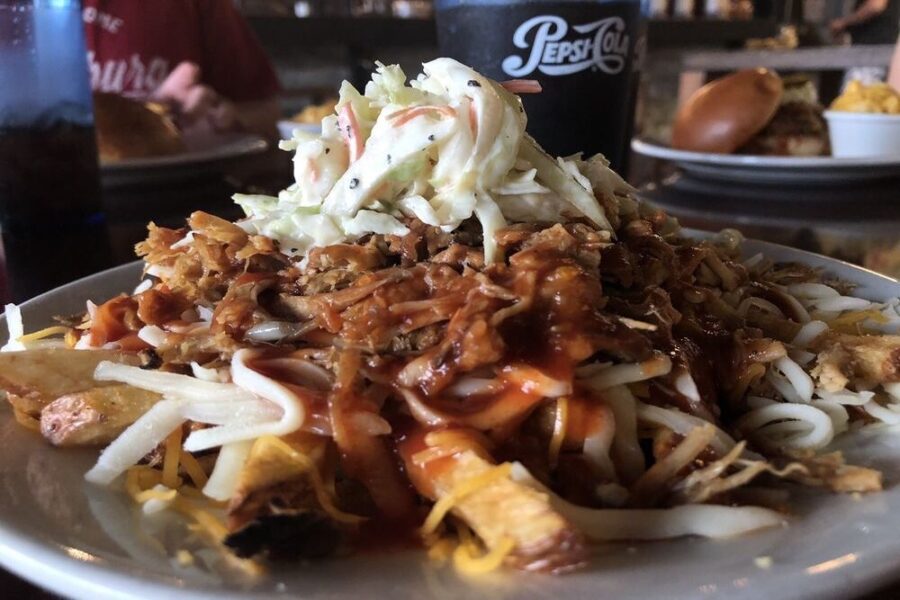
769	170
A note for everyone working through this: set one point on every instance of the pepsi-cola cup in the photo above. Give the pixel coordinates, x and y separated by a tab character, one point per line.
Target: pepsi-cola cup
52	224
585	53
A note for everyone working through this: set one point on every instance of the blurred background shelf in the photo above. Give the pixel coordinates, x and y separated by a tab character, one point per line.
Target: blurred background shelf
370	32
361	32
707	32
314	54
828	58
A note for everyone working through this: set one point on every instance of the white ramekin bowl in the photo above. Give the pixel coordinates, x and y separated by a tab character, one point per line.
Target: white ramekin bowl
863	134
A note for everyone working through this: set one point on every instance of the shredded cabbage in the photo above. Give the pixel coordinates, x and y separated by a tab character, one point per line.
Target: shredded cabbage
445	147
16	328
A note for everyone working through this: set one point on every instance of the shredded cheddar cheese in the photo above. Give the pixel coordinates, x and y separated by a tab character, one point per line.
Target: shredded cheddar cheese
140	478
470	559
141	484
193	469
144	484
163	495
184	558
204	521
44	333
442	549
189	491
463	489
852	321
307	465
172	459
208	524
467	561
559	429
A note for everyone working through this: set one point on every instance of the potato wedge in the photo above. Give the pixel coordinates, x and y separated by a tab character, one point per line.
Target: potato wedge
95	416
33	379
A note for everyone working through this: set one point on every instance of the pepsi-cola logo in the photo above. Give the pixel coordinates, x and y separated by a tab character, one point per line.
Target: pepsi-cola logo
602	44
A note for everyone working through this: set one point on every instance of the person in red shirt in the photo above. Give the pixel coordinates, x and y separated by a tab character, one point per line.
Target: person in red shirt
197	56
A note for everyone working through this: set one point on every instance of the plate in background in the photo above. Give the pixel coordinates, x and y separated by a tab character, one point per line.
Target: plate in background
83	541
287	127
783	170
206	156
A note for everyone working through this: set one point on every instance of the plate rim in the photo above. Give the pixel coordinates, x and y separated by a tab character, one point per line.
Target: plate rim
813	256
708	159
241	145
61	569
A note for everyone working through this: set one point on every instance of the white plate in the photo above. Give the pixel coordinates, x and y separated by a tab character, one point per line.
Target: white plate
287	127
204	157
790	170
83	541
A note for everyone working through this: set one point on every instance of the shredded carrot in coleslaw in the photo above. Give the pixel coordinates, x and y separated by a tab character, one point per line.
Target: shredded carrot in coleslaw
522	86
402	117
351	132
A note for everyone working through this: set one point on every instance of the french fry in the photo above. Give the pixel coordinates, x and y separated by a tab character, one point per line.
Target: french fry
33	379
270	465
95	416
500	510
282	507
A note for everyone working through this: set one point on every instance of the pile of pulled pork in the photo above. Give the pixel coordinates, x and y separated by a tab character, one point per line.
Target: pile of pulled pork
579	357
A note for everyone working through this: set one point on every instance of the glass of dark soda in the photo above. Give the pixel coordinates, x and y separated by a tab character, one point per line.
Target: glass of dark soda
51	219
585	53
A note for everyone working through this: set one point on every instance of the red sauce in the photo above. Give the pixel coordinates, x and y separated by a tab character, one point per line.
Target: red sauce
246	278
158	307
381	535
116	321
586	416
409	441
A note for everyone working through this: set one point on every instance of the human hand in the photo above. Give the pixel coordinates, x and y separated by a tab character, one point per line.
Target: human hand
196	105
837	26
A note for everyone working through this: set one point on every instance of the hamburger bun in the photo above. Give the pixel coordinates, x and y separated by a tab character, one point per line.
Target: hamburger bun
129	129
798	127
724	114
